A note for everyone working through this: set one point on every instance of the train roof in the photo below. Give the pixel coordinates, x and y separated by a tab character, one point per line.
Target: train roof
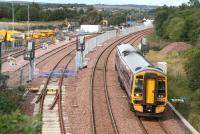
134	60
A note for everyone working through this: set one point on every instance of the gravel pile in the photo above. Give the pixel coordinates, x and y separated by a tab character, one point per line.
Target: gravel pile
175	47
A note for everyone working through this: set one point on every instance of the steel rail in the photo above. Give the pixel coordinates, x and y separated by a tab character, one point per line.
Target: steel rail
163	127
59	93
106	87
92	85
62	126
21	52
44	90
71	44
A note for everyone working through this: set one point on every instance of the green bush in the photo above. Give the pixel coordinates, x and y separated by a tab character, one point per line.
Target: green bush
192	68
3	81
10	100
16	123
12	119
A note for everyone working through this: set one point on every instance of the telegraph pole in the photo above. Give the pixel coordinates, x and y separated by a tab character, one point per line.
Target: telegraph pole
28	21
0	58
13	21
13	16
30	54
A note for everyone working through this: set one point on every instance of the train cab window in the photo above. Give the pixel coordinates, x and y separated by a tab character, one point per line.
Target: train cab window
161	88
139	85
138	68
125	53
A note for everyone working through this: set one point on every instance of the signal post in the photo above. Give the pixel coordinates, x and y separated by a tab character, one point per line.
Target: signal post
30	55
80	47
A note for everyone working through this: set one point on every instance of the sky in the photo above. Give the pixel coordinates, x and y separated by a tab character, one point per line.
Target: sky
113	2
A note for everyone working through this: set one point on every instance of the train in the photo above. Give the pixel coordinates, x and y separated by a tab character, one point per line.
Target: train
145	84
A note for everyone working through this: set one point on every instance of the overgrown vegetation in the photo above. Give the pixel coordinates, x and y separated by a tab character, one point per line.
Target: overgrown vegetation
182	24
178	80
12	118
157	43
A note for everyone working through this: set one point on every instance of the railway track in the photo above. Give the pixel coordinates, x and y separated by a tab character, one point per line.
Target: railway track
53	120
150	126
56	123
22	51
102	118
51	53
17	53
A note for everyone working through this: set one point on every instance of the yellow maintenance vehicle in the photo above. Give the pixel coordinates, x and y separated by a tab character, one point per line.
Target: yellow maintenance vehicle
12	37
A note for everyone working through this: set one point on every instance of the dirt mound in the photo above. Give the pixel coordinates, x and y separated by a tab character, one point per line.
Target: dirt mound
175	47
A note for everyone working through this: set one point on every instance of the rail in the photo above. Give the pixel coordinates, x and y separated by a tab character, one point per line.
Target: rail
109	49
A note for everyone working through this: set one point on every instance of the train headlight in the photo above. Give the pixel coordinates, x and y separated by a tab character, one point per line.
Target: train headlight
138	94
160	96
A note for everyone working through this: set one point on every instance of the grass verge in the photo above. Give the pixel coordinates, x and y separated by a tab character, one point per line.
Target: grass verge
178	82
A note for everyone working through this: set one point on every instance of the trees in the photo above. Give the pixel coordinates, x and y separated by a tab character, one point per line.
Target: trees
176	29
21	14
178	24
118	18
91	17
161	17
194	3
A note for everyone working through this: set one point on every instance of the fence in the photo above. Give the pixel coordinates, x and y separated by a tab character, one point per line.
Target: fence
98	40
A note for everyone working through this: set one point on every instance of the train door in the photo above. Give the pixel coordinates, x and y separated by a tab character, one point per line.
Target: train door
150	88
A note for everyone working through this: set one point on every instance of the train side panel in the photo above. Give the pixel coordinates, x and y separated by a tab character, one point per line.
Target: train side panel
124	74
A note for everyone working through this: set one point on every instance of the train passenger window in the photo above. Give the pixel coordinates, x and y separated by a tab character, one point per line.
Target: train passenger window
139	85
161	87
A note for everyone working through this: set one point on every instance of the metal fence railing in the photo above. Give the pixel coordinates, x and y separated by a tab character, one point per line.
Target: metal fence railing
100	39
